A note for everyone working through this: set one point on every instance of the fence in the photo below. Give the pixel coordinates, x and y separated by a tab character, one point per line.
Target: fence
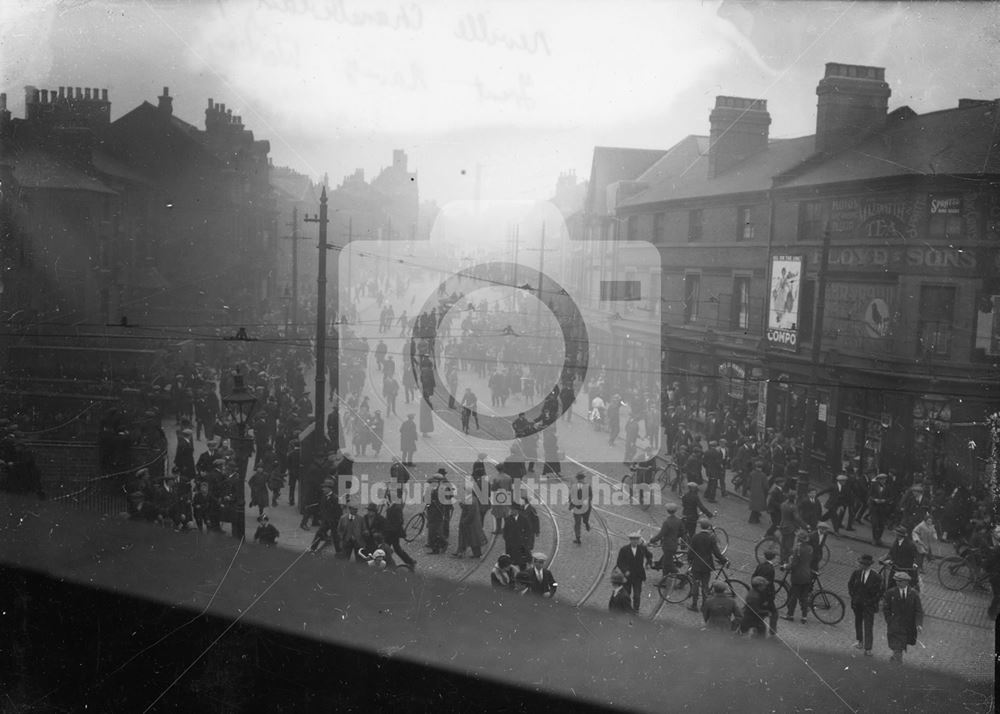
108	493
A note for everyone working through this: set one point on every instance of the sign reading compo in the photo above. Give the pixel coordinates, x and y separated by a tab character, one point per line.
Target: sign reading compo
783	307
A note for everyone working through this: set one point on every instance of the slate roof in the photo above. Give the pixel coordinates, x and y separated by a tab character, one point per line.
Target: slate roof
612	164
682	173
38	169
951	141
960	141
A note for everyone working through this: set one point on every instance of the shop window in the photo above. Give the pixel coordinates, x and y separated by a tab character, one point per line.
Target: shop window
745	230
811	221
740	318
695	219
945	219
937	308
692	288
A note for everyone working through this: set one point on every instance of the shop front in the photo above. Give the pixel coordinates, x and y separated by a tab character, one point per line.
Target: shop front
704	389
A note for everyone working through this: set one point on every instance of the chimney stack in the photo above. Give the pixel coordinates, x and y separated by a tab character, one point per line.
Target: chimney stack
739	128
166	102
853	101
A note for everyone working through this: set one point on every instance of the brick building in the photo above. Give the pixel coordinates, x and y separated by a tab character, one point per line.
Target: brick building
879	340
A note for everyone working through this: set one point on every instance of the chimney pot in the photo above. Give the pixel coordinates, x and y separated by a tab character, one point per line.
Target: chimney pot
104	95
79	93
739	128
209	102
62	92
3	101
45	96
86	92
166	91
853	101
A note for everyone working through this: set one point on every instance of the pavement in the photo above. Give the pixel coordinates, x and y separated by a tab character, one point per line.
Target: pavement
957	636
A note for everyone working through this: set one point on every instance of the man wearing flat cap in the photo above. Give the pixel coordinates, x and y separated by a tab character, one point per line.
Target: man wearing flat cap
879	504
904	616
632	562
903	554
837	502
671	531
865	590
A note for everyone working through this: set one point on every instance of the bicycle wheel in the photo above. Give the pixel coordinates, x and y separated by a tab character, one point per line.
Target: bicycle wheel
739	590
674	588
722	538
780	595
668	477
414	527
954	573
825	557
764	544
827	607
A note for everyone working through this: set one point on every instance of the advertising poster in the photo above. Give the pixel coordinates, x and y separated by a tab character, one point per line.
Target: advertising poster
783	307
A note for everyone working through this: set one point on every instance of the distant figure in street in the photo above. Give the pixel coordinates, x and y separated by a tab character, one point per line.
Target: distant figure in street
408	440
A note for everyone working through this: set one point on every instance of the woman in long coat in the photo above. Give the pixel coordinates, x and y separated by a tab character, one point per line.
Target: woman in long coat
258	489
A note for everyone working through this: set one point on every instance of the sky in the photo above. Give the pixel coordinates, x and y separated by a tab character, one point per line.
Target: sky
514	92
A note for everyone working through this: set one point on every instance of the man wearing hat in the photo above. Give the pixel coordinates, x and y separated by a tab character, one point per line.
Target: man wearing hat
619	601
266	533
408	440
349	531
437	541
580	498
632	561
865	590
670	533
714	470
691	507
904	616
758	608
903	554
879	504
766	571
720	609
800	569
702	555
914	506
540	579
837	502
208	457
184	455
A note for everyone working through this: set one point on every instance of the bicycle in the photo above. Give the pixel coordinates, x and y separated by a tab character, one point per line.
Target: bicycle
773	542
957	572
826	605
629	480
677	587
721	539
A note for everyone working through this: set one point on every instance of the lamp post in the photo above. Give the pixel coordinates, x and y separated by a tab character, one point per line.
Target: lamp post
240	404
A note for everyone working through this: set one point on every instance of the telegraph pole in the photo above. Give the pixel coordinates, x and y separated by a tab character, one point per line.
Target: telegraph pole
541	269
319	427
295	238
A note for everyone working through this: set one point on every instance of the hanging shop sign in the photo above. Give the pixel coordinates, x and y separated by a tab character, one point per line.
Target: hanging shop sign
783	308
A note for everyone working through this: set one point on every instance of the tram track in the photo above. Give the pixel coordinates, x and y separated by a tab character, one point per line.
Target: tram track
604	568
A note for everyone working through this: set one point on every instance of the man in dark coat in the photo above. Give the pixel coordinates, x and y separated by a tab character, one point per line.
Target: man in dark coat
184	456
408	440
516	536
800	575
540	579
312	480
903	554
580	500
714	470
879	506
837	502
395	531
865	590
670	532
766	571
904	616
632	562
691	507
757	489
702	554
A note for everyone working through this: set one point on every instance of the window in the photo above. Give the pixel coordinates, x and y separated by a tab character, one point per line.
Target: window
659	225
740	318
945	218
811	220
694	225
937	307
692	287
744	230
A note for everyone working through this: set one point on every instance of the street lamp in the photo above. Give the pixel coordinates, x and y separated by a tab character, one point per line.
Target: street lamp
240	404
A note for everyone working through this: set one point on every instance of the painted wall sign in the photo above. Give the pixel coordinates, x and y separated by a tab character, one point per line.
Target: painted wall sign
860	318
913	258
